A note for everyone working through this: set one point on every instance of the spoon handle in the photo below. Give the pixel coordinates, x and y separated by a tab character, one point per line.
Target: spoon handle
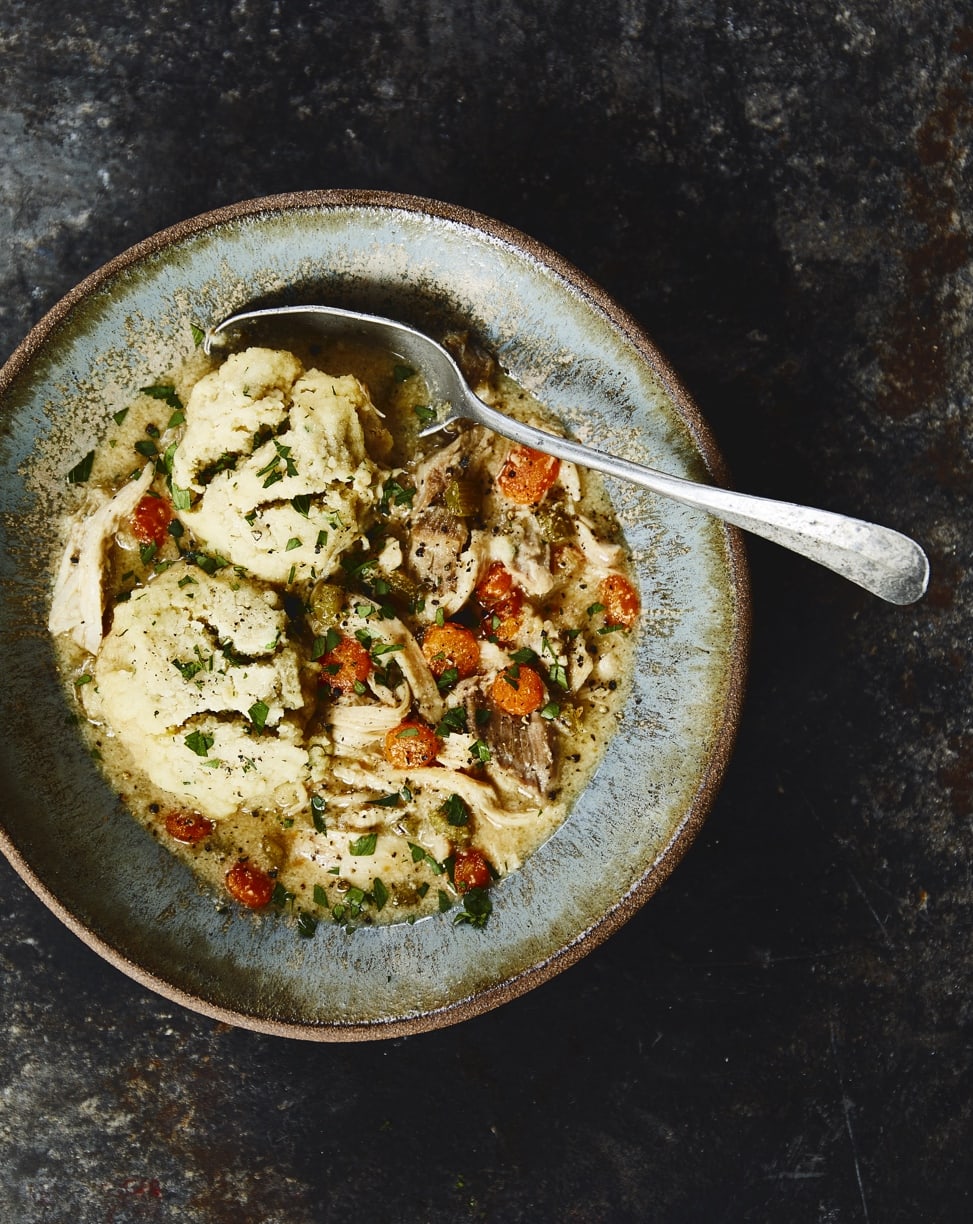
884	562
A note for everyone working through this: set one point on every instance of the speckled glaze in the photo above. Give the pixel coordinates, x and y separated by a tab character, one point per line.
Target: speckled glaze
432	265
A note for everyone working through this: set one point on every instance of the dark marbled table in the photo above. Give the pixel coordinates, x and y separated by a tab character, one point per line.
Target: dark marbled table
781	193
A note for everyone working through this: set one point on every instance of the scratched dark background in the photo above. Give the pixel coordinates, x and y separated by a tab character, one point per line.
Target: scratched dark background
781	193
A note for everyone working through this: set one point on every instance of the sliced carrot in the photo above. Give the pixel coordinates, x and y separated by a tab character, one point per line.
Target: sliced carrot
188	827
527	475
450	646
411	745
518	690
470	870
502	621
249	885
620	600
495	585
151	519
346	666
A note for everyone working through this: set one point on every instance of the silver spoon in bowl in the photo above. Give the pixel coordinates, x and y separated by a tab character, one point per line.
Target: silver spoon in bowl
883	561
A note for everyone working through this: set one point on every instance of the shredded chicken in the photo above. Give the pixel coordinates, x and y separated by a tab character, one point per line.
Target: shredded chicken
356	726
415	669
78	602
435	473
481	796
530	563
599	554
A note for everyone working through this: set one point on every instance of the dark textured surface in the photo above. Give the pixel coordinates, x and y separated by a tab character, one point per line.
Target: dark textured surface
782	195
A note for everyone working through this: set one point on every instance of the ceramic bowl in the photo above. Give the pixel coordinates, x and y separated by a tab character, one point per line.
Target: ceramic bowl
69	836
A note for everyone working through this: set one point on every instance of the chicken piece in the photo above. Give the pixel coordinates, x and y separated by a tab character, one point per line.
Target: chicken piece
78	602
522	746
450	462
436	542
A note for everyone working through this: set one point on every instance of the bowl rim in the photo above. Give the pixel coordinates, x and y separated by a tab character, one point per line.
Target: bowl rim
674	850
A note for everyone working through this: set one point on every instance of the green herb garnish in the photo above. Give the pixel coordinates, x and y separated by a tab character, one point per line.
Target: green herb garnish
480	752
180	498
165	392
318	807
388	801
456	812
199	742
452	722
82	469
477	908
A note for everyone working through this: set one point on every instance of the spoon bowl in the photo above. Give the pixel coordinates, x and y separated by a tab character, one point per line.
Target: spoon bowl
876	558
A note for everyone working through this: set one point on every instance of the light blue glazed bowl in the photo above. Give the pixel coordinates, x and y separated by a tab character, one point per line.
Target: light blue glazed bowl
67	833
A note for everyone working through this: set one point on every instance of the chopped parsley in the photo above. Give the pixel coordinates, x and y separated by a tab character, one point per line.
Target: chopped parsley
199	742
165	392
477	908
456	812
421	855
180	498
480	752
388	801
324	645
210	564
81	471
364	845
556	670
395	494
189	669
452	722
318	807
448	679
525	656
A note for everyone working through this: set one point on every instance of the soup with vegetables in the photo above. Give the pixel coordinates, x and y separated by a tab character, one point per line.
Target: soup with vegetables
345	672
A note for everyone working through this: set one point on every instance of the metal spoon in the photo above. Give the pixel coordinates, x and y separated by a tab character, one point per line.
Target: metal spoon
882	561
